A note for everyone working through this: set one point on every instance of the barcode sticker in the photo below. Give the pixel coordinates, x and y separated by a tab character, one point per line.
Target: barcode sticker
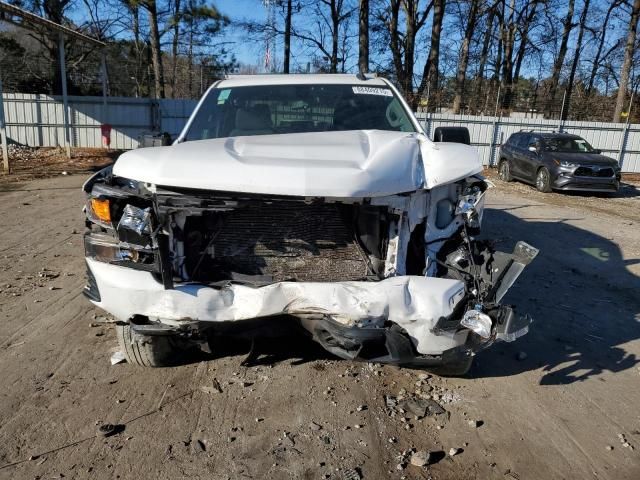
385	92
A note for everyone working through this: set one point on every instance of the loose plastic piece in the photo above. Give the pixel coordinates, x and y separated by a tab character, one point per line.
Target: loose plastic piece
117	357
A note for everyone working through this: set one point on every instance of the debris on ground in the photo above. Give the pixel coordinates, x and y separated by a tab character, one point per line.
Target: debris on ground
420	458
352	474
29	162
414	405
117	357
109	429
454	451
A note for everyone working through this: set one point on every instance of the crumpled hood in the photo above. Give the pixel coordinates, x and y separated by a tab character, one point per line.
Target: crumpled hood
349	164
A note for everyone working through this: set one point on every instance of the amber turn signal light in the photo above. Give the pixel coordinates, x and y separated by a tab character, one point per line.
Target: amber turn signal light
101	210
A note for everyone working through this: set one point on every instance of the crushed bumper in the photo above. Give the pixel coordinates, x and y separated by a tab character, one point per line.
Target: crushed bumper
409	320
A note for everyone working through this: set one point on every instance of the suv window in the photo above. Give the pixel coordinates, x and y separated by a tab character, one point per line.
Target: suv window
513	139
523	140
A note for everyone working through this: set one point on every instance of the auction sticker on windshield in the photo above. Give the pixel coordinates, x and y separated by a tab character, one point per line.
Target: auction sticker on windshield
373	91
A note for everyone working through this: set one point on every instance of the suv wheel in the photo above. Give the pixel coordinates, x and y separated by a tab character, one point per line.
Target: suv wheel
543	180
504	171
147	350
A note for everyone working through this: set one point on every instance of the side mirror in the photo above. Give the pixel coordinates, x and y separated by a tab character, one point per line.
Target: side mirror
597	151
533	148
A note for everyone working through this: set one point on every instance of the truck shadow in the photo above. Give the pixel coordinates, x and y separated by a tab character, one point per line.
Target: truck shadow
583	299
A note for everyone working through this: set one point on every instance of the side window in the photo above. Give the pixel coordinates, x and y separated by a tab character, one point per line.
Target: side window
513	140
523	141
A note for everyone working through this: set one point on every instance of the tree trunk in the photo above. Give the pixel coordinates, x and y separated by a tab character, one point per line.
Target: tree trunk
410	8
396	45
524	41
495	78
335	36
603	36
363	37
484	54
576	58
557	66
287	38
190	53
508	36
628	59
156	52
174	48
463	62
431	67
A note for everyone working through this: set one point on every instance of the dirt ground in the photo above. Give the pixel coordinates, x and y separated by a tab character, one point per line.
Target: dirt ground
28	163
560	403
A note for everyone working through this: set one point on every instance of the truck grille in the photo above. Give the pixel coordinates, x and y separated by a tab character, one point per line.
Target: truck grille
280	240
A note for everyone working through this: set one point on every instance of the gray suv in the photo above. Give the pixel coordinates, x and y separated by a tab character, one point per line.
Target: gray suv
557	161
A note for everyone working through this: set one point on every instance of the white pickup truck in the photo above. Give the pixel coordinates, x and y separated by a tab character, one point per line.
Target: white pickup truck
314	200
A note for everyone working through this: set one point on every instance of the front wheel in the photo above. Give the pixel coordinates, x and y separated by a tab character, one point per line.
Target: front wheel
543	180
504	171
147	350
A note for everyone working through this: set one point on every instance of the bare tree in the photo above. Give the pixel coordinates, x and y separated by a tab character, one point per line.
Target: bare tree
576	58
484	55
156	52
559	61
401	21
601	41
175	23
287	37
508	41
463	61
431	67
363	37
629	51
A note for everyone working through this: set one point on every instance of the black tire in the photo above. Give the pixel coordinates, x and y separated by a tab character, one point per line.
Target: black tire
543	180
147	350
457	368
504	171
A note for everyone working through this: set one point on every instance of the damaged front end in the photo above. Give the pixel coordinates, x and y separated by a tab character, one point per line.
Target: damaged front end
399	279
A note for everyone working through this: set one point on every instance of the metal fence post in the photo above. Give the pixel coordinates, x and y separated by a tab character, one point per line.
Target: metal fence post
3	134
65	98
494	140
623	143
625	133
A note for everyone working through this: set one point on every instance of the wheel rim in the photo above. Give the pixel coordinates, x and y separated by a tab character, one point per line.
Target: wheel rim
541	181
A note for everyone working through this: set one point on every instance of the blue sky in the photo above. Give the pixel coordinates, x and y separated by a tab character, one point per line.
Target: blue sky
245	52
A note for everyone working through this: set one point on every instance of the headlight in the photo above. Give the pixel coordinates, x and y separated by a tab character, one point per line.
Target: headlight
566	164
477	322
135	225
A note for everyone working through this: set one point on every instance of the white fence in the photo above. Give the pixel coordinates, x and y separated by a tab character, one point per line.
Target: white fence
37	120
617	140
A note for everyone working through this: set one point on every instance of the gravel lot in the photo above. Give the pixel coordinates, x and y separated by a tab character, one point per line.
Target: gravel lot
561	402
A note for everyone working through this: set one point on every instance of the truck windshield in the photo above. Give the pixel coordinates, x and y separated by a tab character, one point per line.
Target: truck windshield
278	109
